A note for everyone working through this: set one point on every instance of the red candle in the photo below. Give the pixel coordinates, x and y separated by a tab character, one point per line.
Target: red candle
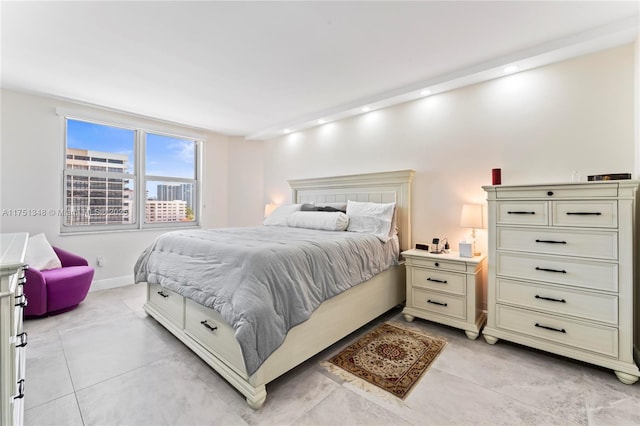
496	176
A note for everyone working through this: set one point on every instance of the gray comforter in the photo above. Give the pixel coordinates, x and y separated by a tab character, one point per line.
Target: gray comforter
263	280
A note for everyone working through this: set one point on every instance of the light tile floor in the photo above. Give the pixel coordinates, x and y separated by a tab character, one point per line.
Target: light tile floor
108	363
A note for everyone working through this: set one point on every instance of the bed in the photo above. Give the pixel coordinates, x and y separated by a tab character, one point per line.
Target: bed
206	332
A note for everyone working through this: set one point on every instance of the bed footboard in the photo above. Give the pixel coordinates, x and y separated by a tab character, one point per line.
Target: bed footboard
214	341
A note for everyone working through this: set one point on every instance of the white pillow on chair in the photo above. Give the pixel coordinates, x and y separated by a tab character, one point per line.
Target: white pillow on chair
40	255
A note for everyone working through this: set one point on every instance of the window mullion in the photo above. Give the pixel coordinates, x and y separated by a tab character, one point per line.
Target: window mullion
141	182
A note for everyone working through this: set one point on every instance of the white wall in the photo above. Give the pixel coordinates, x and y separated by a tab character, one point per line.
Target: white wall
538	126
31	159
245	205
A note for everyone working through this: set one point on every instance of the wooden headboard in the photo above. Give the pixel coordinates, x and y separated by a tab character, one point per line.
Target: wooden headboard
383	187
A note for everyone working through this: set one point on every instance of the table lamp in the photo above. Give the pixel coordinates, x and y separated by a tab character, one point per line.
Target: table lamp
471	217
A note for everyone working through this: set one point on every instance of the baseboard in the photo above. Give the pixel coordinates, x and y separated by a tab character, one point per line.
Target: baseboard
108	283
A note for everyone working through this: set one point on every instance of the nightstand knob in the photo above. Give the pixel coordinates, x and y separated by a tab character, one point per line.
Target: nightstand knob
550	193
437	264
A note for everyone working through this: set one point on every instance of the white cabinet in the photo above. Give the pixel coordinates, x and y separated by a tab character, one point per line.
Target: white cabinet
13	339
562	271
446	288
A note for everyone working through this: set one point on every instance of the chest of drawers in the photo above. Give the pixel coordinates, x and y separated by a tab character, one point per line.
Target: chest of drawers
12	338
562	262
446	288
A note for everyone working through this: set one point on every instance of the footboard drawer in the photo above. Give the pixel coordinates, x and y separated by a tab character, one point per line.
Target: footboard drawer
211	331
167	301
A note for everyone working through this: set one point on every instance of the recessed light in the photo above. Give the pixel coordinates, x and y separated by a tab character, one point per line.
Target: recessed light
366	109
287	130
425	92
321	121
510	69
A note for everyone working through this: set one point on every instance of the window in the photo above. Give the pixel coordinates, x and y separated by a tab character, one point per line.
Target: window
111	171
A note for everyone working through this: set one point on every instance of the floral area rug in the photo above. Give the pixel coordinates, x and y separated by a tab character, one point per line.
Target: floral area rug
390	357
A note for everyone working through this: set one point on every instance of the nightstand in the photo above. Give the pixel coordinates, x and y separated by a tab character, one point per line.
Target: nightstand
447	289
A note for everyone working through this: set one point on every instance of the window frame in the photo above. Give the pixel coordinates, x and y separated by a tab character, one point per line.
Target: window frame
138	176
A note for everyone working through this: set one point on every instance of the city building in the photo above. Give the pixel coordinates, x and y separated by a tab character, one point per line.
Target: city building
93	200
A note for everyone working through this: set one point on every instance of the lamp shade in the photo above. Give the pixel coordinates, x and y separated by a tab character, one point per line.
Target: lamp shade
269	208
471	216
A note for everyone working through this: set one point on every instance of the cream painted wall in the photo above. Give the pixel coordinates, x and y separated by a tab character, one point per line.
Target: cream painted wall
538	126
31	159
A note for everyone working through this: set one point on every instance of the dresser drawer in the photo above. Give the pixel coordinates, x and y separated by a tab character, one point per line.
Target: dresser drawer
436	279
601	245
559	191
558	300
439	303
594	214
582	335
558	270
522	213
167	301
211	331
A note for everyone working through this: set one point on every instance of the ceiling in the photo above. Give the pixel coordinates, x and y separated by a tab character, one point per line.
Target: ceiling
253	68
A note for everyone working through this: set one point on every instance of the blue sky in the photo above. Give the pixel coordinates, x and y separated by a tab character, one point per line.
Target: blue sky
166	156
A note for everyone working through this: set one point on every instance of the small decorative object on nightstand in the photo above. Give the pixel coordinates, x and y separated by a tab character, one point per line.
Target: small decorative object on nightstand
447	289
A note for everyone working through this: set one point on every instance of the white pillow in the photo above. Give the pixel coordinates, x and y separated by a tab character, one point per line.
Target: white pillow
40	254
371	218
326	221
280	215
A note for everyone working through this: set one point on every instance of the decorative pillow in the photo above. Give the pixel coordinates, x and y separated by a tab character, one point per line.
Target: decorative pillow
332	221
371	218
324	207
306	207
280	215
342	207
40	254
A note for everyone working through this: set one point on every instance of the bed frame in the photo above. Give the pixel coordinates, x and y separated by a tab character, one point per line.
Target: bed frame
334	319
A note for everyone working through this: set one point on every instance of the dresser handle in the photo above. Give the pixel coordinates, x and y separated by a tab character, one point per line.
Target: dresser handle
206	325
23	339
23	301
519	212
560	330
20	389
549	193
551	270
584	213
551	242
437	281
163	294
551	299
436	303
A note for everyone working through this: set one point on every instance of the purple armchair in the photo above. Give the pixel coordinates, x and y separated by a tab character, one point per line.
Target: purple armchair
54	291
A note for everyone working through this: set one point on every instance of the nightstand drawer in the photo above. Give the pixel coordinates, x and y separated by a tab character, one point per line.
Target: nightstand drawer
601	245
439	303
435	279
558	270
558	300
523	213
436	263
596	214
582	335
169	302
